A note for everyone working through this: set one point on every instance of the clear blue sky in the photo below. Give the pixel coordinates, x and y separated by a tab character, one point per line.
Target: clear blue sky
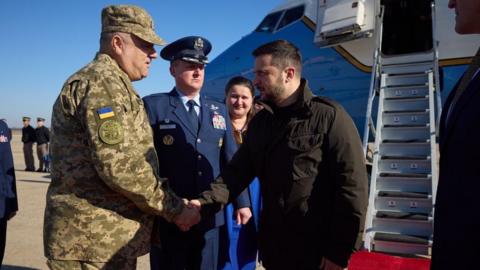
43	42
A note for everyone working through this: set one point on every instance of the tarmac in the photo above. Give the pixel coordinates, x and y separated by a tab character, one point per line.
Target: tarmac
24	247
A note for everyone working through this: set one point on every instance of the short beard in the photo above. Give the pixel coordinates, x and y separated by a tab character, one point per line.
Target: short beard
276	91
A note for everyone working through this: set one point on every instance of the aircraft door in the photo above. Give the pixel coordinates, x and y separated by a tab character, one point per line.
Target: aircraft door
344	20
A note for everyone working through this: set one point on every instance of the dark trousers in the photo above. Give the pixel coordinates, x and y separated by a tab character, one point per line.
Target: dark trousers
28	155
192	250
3	237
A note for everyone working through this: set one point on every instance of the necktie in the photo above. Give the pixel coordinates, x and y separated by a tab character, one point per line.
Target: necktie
193	114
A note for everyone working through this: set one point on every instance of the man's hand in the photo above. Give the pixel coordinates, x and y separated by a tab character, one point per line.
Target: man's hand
243	215
195	204
188	217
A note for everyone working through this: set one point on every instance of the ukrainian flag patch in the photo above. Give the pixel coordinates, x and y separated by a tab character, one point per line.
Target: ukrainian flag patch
105	112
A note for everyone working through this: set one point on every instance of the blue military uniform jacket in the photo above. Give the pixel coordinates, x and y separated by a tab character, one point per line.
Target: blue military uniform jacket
8	190
192	161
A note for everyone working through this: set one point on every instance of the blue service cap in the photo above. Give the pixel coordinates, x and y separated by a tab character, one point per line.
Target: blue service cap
191	49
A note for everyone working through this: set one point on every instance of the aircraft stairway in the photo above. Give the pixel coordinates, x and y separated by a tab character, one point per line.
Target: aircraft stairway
404	169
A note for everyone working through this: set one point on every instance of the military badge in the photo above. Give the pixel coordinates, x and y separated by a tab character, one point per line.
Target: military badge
3	139
105	112
110	132
198	45
220	142
168	140
167	120
213	107
219	121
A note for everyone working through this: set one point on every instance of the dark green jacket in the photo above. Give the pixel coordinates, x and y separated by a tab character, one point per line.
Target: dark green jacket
309	160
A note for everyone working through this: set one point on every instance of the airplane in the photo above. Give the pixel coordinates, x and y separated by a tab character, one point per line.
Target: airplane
355	52
343	70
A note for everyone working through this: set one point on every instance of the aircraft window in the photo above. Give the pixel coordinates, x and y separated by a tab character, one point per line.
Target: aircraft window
268	24
291	15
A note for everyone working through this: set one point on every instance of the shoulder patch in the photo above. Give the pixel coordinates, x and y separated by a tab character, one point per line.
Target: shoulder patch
105	112
110	132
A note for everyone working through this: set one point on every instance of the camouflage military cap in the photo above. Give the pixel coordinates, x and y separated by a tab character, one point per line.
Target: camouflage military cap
130	19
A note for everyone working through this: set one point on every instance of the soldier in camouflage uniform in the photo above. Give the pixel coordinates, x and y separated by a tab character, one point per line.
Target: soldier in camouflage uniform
105	187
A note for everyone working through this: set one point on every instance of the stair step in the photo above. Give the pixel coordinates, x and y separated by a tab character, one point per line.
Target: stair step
415	149
407	248
404	165
404	80
406	134
403	203
397	194
404	184
402	215
405	104
405	92
403	175
406	118
390	237
407	68
401	244
403	223
408	58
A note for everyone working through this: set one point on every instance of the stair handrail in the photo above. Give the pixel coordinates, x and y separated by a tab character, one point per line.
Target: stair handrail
435	67
374	79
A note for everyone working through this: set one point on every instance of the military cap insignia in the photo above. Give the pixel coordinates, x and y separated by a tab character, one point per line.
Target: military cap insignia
105	112
198	45
110	132
168	140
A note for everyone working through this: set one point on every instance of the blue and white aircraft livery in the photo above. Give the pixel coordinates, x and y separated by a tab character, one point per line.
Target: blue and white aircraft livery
339	39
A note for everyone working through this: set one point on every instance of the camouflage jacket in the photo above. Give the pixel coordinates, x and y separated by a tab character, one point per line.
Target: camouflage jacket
105	187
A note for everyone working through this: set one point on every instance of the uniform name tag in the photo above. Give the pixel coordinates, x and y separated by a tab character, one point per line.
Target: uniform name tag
171	126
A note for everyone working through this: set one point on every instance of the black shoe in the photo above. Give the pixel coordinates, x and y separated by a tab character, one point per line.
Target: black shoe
40	170
29	170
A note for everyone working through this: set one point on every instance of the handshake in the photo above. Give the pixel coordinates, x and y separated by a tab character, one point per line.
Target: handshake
189	216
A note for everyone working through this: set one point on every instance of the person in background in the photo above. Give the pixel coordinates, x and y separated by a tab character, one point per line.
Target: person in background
193	141
8	190
105	188
239	98
457	218
28	139
42	136
307	154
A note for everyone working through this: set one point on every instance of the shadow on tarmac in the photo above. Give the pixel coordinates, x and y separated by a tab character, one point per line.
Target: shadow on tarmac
34	181
14	267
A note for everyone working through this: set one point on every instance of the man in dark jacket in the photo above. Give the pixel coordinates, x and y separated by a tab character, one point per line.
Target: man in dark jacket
308	156
43	138
28	138
8	191
457	219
